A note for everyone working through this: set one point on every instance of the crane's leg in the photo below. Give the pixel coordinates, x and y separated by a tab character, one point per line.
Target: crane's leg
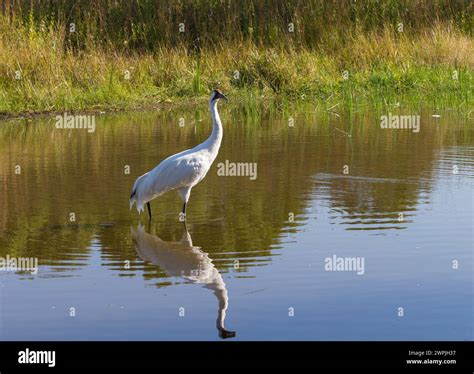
184	195
184	216
184	213
149	209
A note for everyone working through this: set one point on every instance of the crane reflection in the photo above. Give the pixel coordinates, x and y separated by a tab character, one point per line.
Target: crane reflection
183	260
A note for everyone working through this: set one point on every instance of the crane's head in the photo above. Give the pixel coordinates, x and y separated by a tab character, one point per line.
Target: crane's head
216	95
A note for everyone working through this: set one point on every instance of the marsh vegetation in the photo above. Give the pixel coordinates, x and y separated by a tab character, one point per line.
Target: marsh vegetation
60	55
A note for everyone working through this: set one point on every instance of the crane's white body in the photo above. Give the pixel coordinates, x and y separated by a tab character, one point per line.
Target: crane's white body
181	171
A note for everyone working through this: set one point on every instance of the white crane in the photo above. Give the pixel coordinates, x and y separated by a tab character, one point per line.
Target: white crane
183	170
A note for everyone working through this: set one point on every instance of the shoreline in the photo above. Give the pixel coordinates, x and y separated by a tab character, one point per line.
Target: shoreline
409	100
101	110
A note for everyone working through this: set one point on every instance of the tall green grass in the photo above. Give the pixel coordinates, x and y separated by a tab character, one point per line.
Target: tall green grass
125	54
152	24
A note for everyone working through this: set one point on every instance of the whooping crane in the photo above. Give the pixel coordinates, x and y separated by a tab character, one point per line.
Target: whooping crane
183	170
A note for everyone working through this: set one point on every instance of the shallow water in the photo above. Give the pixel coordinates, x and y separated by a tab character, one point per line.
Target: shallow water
255	252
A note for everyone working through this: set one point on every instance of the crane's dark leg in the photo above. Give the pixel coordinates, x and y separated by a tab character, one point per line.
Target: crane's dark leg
149	209
183	214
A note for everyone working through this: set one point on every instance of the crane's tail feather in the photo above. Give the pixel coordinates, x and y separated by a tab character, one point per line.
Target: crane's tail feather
132	198
140	204
137	196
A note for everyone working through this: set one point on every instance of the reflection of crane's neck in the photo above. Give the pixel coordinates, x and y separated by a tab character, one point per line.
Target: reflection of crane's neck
221	293
214	141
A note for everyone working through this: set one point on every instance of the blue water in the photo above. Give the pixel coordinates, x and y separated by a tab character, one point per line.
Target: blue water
279	289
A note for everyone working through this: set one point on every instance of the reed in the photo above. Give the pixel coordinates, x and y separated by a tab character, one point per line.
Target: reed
130	53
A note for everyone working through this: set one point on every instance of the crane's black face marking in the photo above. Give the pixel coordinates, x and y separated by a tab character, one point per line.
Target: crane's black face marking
217	94
225	334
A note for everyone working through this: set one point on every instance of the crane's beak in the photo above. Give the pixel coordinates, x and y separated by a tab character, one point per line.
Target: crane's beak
222	96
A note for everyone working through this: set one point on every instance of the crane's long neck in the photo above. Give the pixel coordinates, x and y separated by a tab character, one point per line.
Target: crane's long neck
218	286
213	143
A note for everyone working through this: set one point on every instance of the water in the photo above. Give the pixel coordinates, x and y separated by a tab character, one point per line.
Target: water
254	255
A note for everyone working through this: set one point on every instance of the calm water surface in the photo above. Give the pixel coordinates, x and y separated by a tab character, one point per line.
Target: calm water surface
253	253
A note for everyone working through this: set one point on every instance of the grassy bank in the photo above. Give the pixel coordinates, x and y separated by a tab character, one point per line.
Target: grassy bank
362	58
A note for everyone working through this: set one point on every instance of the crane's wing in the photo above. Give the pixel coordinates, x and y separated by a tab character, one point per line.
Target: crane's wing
181	170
